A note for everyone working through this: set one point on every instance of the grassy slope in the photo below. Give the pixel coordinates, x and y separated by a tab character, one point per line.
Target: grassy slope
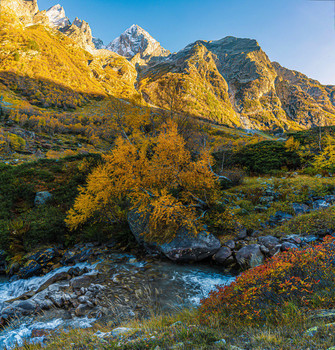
39	225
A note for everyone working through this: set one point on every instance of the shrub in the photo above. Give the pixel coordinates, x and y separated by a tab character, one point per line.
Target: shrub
266	157
235	175
291	280
318	222
16	56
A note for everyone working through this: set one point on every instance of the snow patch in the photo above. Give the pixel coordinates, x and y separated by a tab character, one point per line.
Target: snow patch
57	17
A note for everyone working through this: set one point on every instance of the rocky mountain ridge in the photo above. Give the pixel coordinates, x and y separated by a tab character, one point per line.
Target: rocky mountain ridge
229	81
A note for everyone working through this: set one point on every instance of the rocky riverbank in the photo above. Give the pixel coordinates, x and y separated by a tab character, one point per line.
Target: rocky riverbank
116	288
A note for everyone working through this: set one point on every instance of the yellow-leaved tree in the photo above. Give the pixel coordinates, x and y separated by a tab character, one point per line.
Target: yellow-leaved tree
326	159
160	179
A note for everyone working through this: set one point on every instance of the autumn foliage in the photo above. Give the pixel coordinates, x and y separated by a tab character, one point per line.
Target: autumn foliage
157	176
304	278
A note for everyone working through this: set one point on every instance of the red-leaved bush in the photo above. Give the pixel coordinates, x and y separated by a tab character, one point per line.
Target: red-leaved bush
304	278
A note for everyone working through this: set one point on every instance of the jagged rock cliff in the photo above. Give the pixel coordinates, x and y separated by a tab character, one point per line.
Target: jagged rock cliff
80	32
24	9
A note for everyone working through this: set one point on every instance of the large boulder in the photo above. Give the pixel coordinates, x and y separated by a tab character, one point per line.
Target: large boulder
185	247
43	256
224	257
37	262
250	256
42	198
32	268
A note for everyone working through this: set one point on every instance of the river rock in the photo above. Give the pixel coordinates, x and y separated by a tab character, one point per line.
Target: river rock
61	276
14	268
224	256
288	246
310	239
82	310
295	239
271	243
71	257
250	256
31	268
82	283
57	299
44	256
230	244
42	198
185	247
19	308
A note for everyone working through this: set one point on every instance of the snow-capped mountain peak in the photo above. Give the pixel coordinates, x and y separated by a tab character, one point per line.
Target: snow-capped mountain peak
136	40
57	17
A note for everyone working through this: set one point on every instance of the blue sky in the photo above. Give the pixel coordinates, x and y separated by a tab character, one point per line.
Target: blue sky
299	34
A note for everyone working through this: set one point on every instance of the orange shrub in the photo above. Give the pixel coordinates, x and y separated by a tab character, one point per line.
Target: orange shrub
305	278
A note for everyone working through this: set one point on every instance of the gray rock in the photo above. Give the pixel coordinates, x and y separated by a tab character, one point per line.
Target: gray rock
288	246
57	299
295	239
281	216
185	247
56	278
120	330
310	239
103	335
14	269
32	268
84	299
44	304
71	256
42	198
19	308
44	256
81	283
300	209
82	310
230	244
27	306
264	250
271	243
250	256
224	256
242	232
320	204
